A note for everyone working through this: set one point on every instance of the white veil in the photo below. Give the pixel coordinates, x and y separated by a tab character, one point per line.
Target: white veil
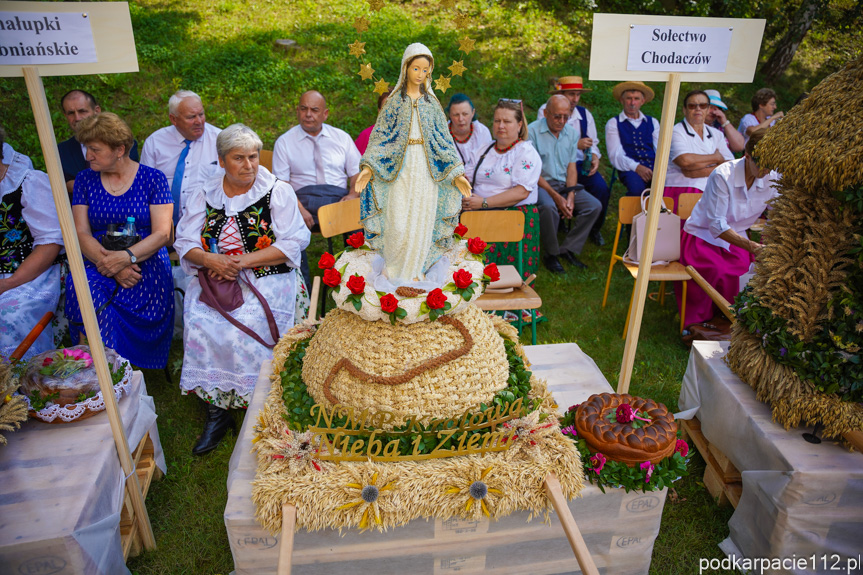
416	49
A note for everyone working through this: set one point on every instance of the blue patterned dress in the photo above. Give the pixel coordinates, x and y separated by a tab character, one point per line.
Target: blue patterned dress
138	321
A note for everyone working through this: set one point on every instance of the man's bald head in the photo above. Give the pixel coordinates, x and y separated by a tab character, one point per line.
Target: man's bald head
557	113
312	112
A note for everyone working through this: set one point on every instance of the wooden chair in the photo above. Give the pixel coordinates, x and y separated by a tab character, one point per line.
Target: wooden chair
628	207
686	203
266	159
505	226
335	219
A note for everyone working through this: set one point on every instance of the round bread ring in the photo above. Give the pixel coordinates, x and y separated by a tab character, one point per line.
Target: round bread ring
620	441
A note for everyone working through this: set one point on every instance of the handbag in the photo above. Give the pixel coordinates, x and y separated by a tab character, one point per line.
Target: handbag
667	246
227	295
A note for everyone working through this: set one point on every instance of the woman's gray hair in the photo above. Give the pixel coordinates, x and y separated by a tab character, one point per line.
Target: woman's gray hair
179	96
237	136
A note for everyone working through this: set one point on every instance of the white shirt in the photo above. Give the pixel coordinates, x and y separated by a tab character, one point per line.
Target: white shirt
728	205
685	140
575	122
292	235
481	138
518	166
616	154
9	155
294	157
748	121
163	148
37	201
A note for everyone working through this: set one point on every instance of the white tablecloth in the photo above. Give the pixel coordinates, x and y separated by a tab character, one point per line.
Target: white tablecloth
798	499
61	491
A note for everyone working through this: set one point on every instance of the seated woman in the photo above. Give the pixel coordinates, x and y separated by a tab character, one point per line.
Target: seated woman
505	174
133	292
467	132
31	244
362	141
253	221
763	114
696	149
714	239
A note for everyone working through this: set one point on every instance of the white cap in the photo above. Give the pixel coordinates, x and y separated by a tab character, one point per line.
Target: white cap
715	99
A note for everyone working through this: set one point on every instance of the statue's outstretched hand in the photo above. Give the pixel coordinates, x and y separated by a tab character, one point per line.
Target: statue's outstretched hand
363	180
463	186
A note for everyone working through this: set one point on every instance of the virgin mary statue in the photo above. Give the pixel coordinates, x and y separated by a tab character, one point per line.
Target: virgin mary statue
412	177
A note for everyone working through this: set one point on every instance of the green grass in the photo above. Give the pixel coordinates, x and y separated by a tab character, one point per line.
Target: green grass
224	51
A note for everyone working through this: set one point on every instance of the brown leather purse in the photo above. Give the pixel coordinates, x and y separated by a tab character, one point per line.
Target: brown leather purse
227	295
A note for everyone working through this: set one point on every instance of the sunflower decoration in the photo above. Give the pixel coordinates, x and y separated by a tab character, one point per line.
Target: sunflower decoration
479	493
366	494
461	21
530	435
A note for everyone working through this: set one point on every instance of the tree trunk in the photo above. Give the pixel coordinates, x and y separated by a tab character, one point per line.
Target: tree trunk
800	24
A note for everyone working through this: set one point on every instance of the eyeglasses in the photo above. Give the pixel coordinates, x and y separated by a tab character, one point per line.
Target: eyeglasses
694	106
508	101
561	117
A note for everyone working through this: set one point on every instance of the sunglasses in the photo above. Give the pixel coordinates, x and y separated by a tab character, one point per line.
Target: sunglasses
508	101
694	106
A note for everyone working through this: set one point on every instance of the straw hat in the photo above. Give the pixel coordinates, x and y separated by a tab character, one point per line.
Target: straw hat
715	99
627	86
566	83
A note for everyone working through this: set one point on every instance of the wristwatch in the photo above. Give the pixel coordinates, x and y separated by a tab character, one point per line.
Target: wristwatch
131	255
726	123
484	204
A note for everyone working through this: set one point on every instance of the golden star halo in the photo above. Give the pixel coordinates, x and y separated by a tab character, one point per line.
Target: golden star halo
361	24
442	84
461	21
366	71
457	68
445	4
376	5
357	48
381	86
466	45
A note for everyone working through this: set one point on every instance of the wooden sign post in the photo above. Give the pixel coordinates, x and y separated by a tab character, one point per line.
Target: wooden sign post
668	49
71	39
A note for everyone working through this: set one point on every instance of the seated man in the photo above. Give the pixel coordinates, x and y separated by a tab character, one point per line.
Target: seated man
588	146
559	193
631	137
319	161
77	105
185	151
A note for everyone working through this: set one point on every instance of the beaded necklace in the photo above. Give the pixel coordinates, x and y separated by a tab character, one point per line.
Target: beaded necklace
465	141
506	149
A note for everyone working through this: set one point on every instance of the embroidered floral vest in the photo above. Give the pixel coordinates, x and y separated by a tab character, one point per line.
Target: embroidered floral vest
16	241
255	225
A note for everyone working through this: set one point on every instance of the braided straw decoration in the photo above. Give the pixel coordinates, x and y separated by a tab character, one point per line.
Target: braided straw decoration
405	291
439	368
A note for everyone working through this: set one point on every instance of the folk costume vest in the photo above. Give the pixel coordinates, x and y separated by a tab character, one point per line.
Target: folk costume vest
17	241
638	142
256	231
582	122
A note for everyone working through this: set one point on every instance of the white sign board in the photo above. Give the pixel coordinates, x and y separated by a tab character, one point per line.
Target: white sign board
66	38
722	50
678	48
32	38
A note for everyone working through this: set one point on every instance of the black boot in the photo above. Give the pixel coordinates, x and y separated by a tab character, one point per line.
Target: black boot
218	422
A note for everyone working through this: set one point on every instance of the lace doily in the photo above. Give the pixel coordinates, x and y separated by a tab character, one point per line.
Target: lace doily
89	406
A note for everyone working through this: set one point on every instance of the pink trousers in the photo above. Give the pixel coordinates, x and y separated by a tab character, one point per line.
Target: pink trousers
720	267
674	193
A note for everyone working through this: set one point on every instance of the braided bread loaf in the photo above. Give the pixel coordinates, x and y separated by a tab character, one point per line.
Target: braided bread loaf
620	441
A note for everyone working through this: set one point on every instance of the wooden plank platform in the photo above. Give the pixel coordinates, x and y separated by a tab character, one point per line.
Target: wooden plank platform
721	478
147	471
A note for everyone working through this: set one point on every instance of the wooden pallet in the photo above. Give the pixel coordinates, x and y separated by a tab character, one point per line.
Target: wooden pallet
145	466
721	478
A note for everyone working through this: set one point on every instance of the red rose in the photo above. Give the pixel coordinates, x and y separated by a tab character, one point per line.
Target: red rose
492	272
476	246
389	303
436	299
462	279
357	284
327	261
332	277
681	447
356	240
47	361
460	230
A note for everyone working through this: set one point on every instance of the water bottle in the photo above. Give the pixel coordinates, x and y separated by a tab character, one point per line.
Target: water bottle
214	245
585	165
130	227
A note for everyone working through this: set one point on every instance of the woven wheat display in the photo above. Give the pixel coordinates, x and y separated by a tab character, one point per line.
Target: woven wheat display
13	408
799	334
450	374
